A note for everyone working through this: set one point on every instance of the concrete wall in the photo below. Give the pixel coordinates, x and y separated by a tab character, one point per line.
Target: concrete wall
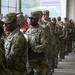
71	9
63	6
18	5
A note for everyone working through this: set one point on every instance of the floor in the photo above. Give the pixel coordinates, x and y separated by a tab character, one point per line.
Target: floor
66	66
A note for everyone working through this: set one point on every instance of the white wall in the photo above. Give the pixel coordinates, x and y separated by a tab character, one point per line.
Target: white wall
63	4
18	5
71	9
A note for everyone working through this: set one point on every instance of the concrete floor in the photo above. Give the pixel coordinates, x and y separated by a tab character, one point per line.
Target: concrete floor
66	66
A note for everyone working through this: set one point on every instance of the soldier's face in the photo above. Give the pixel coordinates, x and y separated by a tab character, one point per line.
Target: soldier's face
22	22
33	21
8	26
45	16
54	22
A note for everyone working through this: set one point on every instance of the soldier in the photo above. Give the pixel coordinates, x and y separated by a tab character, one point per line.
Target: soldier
20	12
38	46
46	17
2	53
61	41
40	21
26	17
71	35
15	46
44	26
54	28
66	32
22	21
58	20
49	27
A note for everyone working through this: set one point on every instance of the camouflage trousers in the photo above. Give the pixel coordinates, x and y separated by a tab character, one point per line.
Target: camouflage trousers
61	50
55	57
39	70
16	73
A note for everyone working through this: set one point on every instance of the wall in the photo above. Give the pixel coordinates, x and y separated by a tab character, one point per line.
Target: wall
71	9
63	6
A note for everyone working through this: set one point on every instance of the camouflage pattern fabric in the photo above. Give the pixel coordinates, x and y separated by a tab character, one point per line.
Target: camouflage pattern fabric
2	59
52	42
38	49
15	53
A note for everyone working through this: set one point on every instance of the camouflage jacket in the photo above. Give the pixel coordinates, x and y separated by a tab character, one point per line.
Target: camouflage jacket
39	42
15	51
2	59
46	21
66	29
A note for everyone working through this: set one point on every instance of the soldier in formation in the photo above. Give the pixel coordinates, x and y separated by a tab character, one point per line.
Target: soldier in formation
15	47
38	41
36	50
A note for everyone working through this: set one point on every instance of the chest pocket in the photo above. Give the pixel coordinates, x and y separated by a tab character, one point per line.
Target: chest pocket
35	38
7	47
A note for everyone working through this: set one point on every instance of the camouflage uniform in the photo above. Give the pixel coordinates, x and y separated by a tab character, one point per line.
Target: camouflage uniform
15	49
38	49
66	38
21	21
46	12
2	52
44	25
2	59
71	35
58	20
51	30
54	30
38	41
61	41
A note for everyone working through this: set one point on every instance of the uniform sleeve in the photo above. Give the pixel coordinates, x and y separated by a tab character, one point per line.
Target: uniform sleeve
45	42
1	55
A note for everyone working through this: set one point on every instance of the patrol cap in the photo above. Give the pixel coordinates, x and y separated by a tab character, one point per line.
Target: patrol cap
34	15
40	12
19	12
26	16
58	17
9	17
45	12
20	16
53	19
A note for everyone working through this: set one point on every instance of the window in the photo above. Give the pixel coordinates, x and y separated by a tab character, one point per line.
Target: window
31	5
8	6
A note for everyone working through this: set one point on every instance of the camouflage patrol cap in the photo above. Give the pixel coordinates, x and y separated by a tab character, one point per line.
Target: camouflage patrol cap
39	12
53	19
9	17
26	16
20	16
45	12
34	15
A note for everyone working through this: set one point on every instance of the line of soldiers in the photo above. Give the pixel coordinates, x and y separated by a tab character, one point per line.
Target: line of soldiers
58	40
33	47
